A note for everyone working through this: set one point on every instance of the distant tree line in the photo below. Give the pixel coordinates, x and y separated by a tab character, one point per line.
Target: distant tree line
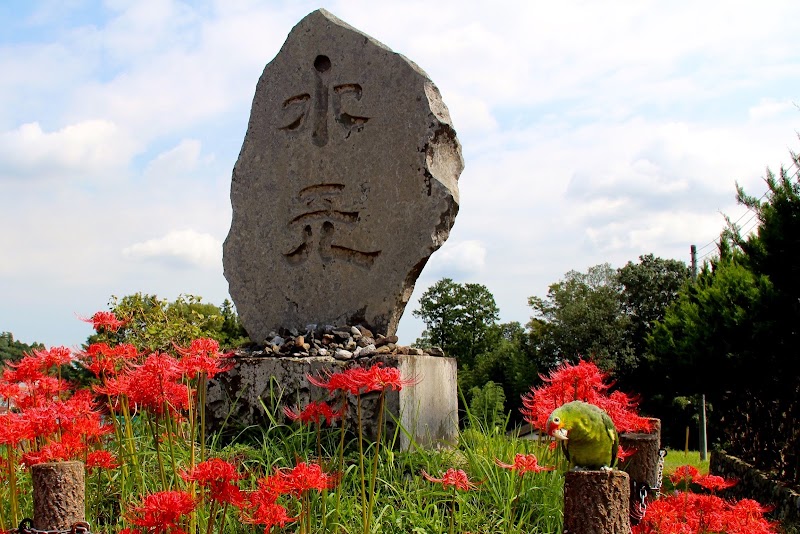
604	314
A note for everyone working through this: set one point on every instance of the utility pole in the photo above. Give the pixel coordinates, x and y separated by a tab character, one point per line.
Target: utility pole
703	440
694	262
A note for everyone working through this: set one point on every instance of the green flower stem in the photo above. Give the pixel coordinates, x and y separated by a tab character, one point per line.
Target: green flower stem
12	481
222	520
170	429
453	512
201	392
361	464
153	423
341	456
373	478
514	502
211	513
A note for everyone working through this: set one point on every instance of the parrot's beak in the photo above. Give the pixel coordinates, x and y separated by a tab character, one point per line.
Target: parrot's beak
557	430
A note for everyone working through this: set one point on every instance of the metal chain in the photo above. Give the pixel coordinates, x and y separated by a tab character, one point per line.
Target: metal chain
26	527
638	502
662	453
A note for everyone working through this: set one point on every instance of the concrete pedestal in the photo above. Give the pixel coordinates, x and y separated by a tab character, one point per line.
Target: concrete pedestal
427	410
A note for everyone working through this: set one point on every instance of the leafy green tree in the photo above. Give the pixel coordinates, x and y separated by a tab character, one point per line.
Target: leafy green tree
158	325
12	349
583	315
648	288
459	318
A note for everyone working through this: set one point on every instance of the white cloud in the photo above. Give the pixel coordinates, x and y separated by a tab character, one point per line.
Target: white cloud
768	108
459	256
178	160
184	247
84	150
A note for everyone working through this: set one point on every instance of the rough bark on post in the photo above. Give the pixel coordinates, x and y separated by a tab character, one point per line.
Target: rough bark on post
643	465
596	502
58	495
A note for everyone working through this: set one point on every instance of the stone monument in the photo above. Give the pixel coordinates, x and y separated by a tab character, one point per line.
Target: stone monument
346	183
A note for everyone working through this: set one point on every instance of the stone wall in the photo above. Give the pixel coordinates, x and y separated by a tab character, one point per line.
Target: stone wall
755	484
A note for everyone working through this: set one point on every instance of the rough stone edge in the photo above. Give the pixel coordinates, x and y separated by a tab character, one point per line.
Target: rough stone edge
755	484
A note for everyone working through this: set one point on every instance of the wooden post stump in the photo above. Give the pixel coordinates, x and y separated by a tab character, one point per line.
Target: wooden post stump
596	502
58	495
643	465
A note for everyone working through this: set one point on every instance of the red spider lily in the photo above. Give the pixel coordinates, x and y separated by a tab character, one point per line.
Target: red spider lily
714	482
277	484
455	478
70	447
203	356
357	380
53	357
154	385
112	389
684	473
29	369
9	391
690	513
101	460
105	320
306	476
76	416
264	510
14	428
352	381
583	381
218	477
623	453
41	392
383	378
314	412
106	361
524	463
161	512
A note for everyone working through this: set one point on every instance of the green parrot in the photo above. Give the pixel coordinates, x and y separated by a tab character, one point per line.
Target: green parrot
588	436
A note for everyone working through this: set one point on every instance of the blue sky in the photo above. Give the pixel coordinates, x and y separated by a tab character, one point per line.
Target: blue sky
592	132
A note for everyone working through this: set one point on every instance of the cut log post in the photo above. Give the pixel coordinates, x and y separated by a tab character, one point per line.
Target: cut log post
643	465
596	502
58	495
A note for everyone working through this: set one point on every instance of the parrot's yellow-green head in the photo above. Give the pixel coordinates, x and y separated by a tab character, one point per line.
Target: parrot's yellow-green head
557	426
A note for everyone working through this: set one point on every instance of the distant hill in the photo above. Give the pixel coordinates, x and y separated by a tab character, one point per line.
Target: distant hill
11	349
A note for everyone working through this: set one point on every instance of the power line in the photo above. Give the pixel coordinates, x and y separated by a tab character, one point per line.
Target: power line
796	177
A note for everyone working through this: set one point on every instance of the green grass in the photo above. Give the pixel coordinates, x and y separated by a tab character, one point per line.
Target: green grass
676	459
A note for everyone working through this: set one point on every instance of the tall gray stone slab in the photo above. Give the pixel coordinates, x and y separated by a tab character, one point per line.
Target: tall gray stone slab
256	389
346	183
